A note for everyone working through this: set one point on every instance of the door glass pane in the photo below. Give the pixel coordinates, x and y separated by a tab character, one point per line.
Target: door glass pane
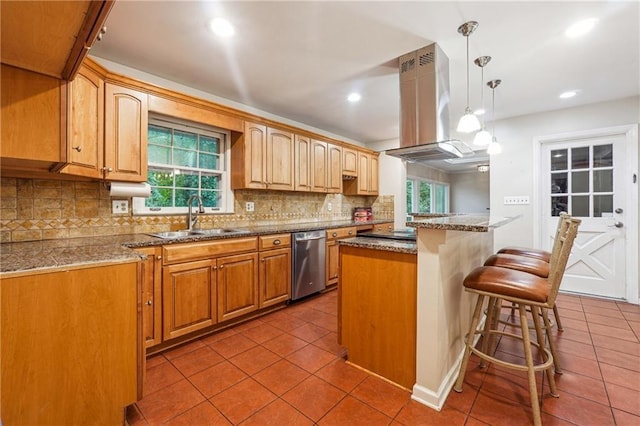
441	198
603	180
580	158
580	181
559	183
410	197
559	159
602	204
424	197
580	205
603	156
559	205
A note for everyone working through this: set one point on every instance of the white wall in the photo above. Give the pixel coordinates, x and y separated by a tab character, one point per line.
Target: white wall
469	192
512	171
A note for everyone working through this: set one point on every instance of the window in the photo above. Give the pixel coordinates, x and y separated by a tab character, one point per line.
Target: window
425	196
185	160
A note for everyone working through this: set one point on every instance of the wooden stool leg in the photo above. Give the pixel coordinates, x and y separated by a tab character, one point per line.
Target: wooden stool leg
488	326
545	356
531	374
467	348
557	316
552	342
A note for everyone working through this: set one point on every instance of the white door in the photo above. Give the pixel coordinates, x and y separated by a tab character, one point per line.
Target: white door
586	176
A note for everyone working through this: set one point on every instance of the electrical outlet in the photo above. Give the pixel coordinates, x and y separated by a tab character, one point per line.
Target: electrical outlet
249	206
516	199
120	206
329	206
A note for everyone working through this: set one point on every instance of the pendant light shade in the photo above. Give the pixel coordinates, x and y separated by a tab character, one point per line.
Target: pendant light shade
494	147
468	122
483	137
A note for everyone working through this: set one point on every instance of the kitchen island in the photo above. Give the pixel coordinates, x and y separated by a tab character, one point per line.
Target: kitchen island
446	250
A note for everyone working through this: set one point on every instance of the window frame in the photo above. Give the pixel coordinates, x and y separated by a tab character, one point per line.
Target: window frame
227	200
433	194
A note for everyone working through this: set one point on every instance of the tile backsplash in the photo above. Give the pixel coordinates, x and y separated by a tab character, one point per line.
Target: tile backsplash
34	209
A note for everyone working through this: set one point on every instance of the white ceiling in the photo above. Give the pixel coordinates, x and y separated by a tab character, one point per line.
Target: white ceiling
300	60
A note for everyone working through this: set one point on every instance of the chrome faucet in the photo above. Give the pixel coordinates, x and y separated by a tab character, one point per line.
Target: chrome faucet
192	218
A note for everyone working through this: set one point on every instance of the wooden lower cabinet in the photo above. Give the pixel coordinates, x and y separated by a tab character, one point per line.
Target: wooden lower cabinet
332	253
71	352
151	287
237	285
275	277
189	297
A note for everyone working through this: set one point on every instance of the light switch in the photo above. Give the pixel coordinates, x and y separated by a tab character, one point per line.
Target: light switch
516	199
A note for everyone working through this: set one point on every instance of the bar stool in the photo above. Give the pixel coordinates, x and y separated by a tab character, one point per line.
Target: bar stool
534	261
529	293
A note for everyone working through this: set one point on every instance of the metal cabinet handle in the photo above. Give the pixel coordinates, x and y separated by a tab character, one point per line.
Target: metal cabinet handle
107	169
276	242
221	266
215	267
102	32
350	232
159	257
148	303
335	234
78	148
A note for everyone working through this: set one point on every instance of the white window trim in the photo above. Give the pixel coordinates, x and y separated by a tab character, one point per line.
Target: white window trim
227	199
414	195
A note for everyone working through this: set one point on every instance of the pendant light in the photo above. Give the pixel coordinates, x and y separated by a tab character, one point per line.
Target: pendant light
483	137
494	147
468	122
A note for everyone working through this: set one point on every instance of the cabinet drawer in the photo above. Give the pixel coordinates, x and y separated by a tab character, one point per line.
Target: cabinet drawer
208	249
337	233
383	227
275	241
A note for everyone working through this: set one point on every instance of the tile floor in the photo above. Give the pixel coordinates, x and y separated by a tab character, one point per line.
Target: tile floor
286	369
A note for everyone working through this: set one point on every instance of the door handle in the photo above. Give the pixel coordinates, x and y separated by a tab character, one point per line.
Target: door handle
619	210
617	224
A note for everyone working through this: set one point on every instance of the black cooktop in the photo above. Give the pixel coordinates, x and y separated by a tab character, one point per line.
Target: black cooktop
408	234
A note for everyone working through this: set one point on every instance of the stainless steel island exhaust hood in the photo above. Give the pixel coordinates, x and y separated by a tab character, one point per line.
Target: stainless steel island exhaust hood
424	108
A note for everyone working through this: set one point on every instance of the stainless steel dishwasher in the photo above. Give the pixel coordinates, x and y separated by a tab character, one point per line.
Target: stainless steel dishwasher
308	267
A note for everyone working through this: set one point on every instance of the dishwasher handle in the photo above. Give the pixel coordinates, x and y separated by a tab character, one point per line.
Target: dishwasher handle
310	238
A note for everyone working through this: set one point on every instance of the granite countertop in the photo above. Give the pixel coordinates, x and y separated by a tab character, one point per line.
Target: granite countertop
385	244
461	222
48	255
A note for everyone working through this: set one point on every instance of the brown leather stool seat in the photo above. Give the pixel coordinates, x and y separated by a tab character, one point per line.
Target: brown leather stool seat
543	255
520	263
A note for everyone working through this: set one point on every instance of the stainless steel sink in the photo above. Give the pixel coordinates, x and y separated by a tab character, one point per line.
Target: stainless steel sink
171	235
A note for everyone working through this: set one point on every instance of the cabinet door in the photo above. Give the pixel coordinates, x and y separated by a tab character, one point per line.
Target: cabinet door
302	163
125	134
152	296
332	262
334	172
189	297
85	125
275	276
318	166
279	157
237	285
255	137
373	175
364	164
33	129
349	162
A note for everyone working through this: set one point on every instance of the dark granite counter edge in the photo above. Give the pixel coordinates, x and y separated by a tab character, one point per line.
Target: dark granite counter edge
381	244
470	223
49	255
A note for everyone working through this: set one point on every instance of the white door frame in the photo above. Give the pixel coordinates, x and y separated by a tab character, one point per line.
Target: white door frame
630	133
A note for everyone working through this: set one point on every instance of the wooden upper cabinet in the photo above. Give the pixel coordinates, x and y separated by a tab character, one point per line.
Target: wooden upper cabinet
334	168
366	182
50	37
262	159
279	167
319	166
349	162
302	163
125	134
33	119
85	149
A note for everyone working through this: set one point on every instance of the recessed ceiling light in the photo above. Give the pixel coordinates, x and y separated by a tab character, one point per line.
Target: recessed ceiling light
354	97
479	111
222	27
580	28
568	94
